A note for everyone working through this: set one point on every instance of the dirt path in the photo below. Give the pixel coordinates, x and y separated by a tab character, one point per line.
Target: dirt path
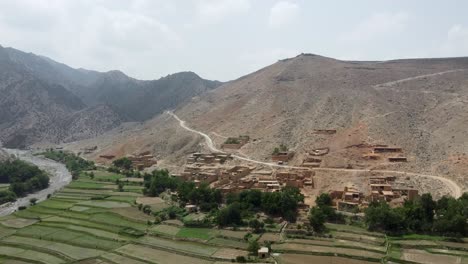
455	190
389	84
59	177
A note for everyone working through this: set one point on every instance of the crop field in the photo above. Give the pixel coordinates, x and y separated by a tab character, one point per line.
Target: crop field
17	222
159	256
298	258
165	230
291	247
116	258
222	242
132	213
91	222
200	233
104	204
187	247
273	237
422	256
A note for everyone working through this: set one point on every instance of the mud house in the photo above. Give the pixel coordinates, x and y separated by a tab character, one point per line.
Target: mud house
142	160
282	156
319	152
107	156
325	131
208	158
387	149
263	252
397	159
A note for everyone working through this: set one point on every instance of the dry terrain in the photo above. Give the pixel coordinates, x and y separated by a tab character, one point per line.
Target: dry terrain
419	105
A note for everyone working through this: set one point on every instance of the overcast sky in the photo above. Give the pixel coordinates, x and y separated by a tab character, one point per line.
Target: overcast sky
225	39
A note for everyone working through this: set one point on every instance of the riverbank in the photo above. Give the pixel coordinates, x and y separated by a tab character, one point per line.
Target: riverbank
58	173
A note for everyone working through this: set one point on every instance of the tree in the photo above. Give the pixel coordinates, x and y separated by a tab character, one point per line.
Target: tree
317	219
33	201
91	175
256	225
229	215
253	247
123	163
323	199
120	186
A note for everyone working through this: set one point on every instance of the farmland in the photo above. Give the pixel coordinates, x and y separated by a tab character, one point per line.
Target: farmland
91	220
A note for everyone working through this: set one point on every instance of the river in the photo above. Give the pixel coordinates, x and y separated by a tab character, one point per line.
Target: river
58	173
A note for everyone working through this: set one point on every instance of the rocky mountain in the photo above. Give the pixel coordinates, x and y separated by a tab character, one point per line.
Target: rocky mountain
46	101
420	105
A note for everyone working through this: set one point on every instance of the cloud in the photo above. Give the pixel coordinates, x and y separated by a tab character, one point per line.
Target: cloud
213	11
377	26
456	43
283	13
101	35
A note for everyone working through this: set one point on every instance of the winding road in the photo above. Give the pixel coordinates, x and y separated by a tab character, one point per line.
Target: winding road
455	190
59	177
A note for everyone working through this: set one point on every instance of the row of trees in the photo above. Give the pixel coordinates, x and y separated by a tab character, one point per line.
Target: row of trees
446	216
323	212
238	205
246	203
73	163
23	178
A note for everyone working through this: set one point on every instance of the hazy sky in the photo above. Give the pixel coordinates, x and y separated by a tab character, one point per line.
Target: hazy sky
225	39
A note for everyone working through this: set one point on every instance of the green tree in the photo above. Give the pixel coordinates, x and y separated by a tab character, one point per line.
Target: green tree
253	247
317	219
123	163
33	201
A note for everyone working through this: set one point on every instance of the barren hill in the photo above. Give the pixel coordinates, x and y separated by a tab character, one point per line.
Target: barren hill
420	105
43	101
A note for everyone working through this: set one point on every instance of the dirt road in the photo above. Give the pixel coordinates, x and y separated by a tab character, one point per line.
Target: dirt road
455	190
392	83
59	177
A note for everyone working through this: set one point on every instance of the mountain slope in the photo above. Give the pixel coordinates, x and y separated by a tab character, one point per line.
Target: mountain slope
419	105
44	101
133	99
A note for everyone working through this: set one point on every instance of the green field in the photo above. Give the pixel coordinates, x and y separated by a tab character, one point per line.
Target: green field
91	222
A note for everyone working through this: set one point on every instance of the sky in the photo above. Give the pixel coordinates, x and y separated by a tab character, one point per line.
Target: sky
226	39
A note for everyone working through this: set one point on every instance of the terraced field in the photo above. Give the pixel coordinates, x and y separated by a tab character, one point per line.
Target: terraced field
91	222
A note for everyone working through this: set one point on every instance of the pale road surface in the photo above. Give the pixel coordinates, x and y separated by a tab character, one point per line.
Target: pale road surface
58	173
455	190
388	84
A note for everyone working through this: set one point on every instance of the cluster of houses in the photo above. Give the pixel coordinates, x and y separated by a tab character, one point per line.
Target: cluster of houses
208	158
142	160
381	189
235	178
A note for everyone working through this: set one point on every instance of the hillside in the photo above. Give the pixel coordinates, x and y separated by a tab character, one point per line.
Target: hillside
425	113
44	101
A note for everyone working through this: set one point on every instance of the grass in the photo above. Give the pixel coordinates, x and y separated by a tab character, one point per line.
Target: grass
104	204
165	230
31	255
87	185
188	247
200	233
71	251
57	204
228	243
105	176
162	257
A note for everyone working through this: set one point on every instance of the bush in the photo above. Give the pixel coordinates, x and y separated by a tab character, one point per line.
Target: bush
241	259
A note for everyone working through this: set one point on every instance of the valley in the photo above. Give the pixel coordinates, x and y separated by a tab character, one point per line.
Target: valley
308	159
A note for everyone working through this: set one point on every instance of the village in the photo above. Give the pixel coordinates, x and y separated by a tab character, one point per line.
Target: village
217	170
